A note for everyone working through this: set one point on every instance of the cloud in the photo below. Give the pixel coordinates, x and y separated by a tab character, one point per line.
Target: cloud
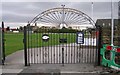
14	25
22	12
58	0
15	18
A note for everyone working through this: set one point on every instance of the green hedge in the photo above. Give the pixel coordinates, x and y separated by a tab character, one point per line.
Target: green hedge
63	30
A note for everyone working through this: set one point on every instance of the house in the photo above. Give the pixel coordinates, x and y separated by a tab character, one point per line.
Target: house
106	22
14	30
106	30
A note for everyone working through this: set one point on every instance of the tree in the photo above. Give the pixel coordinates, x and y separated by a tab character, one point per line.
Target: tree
21	28
8	28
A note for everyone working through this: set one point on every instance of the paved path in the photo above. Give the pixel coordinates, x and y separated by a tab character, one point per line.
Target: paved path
59	68
15	64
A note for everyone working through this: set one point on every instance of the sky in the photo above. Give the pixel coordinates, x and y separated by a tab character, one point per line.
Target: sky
16	14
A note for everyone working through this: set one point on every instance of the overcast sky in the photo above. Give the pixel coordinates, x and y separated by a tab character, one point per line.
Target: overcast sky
16	14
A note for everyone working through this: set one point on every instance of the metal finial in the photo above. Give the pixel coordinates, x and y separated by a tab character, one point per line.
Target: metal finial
63	6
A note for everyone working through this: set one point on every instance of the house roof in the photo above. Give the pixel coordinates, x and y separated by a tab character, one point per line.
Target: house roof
107	22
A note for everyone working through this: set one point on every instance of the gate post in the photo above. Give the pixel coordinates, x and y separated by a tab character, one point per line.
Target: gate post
0	46
99	28
25	45
3	44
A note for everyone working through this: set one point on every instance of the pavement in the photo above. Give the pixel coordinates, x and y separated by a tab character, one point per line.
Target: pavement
15	64
0	69
59	69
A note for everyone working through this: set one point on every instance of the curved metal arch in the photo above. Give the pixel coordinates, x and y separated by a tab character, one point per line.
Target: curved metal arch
55	16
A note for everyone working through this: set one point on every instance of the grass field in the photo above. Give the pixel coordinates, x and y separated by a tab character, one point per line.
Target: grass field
14	41
35	40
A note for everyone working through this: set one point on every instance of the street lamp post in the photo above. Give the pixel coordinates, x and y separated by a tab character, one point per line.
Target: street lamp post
62	26
112	24
92	10
63	14
112	29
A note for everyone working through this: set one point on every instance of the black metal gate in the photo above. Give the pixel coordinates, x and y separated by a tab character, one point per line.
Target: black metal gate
50	45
